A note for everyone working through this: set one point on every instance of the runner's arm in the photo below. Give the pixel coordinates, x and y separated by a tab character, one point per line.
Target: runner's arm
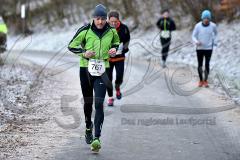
194	35
126	40
115	40
172	25
75	44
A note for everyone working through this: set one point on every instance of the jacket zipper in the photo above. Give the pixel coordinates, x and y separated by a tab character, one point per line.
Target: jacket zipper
100	38
100	48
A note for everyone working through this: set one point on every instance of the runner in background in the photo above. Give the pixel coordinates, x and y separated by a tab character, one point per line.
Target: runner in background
166	26
204	36
117	62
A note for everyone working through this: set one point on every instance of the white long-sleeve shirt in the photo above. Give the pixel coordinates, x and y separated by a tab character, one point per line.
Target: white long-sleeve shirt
206	35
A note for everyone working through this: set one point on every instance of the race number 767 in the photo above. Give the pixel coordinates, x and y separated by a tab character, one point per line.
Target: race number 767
96	66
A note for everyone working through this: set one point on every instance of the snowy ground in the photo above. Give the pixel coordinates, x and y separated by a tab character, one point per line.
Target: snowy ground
16	82
16	85
24	108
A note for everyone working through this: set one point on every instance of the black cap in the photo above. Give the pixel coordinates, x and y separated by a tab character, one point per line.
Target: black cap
165	10
113	14
100	11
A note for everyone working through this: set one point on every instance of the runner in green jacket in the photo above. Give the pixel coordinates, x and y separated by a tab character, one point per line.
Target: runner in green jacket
95	43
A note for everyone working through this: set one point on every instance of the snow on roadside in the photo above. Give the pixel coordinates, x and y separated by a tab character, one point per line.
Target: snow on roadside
19	84
52	41
15	82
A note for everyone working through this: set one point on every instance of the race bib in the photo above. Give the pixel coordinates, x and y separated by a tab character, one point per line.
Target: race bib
165	34
96	67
